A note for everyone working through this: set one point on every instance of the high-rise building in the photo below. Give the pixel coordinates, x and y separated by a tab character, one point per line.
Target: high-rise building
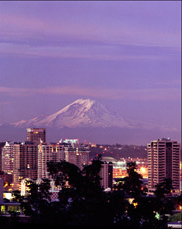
25	162
163	162
48	152
77	155
1	148
7	158
36	135
106	174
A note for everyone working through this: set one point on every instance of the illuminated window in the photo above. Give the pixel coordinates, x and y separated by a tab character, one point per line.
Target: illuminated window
14	208
3	209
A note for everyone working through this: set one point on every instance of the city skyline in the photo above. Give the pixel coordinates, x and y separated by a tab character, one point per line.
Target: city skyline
125	55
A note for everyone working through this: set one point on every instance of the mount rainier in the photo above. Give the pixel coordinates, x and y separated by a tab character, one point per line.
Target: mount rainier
80	113
88	119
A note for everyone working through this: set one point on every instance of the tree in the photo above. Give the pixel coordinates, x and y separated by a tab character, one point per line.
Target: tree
164	204
176	217
81	193
164	188
64	172
133	182
82	202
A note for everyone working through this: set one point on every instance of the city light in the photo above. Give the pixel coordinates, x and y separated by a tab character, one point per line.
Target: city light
143	170
6	184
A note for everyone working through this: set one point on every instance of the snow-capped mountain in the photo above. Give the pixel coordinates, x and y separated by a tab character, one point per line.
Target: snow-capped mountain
26	123
80	113
87	119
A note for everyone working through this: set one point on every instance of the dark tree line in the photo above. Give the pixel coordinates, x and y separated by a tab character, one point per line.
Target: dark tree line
82	201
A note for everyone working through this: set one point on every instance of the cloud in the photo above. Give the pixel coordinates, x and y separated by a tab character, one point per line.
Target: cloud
5	102
20	27
13	91
163	94
93	52
37	36
169	83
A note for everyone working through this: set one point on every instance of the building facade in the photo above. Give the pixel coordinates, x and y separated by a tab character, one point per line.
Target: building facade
25	162
2	144
7	158
48	152
77	155
106	174
36	135
163	162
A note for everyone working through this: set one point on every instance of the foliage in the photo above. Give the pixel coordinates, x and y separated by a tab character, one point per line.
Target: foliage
133	182
175	218
82	201
164	188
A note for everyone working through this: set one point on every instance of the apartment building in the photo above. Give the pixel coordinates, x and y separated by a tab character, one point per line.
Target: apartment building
36	135
77	155
106	174
163	162
25	162
48	152
7	158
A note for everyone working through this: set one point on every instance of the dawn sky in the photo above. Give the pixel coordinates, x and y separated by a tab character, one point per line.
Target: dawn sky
125	55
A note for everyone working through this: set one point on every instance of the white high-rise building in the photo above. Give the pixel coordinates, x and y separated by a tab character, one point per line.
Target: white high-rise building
8	158
163	162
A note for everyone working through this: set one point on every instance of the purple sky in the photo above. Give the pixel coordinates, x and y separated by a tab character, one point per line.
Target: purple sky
125	55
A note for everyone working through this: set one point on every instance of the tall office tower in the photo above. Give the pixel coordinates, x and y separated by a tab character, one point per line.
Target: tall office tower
48	152
36	134
106	173
77	155
25	162
163	162
7	158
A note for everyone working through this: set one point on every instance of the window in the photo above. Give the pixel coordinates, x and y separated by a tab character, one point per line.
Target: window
3	209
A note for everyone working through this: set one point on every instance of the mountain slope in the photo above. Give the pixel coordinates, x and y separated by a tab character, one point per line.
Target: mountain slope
87	119
84	113
80	113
